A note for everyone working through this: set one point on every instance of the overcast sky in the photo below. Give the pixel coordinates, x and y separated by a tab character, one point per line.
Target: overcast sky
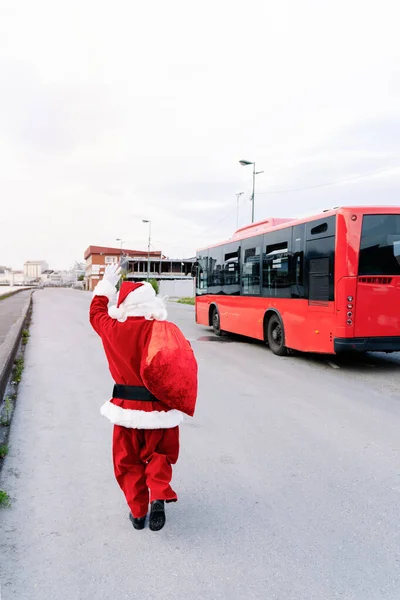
111	112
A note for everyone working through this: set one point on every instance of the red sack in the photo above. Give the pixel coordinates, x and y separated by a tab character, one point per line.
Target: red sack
169	368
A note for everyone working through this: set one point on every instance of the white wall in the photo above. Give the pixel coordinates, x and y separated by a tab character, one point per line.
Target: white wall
177	288
13	278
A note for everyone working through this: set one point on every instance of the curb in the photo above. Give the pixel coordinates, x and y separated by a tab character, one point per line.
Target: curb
10	346
9	294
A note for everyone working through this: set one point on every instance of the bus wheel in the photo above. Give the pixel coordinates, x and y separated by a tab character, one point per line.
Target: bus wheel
276	337
216	323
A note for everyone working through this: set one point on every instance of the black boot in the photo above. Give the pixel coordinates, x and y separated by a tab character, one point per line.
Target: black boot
137	523
157	515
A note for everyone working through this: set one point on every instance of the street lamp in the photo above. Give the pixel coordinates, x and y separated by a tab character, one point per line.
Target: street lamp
246	163
148	248
237	209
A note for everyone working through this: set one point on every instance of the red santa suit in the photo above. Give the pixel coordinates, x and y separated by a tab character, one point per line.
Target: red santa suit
155	373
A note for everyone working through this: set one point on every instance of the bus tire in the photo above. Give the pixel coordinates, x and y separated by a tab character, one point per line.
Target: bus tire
276	336
216	322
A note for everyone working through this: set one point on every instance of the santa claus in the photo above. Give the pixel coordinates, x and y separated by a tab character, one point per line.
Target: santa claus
155	374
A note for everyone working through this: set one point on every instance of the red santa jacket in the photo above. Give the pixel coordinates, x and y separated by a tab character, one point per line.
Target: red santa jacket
126	346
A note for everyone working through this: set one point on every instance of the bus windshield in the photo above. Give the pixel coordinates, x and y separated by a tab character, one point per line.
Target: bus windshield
380	245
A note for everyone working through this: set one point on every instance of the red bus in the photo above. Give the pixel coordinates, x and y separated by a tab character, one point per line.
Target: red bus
328	283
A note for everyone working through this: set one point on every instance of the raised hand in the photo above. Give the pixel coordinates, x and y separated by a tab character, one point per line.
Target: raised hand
112	274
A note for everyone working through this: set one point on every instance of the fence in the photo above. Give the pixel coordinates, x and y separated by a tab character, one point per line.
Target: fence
177	288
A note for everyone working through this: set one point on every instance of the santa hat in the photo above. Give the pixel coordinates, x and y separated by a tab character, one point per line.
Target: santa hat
138	300
127	287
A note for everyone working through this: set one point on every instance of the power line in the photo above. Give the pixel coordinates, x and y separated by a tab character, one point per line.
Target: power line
211	228
207	230
330	183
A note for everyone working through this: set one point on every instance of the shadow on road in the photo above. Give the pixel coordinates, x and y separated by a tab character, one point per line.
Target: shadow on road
349	361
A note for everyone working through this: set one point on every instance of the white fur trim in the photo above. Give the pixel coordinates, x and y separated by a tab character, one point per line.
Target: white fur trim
142	295
117	313
140	419
153	310
104	288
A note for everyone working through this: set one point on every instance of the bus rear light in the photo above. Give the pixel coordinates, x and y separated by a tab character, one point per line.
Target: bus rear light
349	306
354	217
349	322
349	314
349	298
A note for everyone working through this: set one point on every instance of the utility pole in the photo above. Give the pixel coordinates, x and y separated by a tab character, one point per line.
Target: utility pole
254	189
237	208
148	249
121	241
246	163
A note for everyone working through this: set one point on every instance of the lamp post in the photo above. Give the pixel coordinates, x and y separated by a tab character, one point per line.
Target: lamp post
246	163
148	248
237	208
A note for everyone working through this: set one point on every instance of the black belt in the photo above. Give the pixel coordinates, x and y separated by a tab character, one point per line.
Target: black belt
133	392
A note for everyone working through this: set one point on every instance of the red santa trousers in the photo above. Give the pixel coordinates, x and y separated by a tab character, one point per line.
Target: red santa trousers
142	462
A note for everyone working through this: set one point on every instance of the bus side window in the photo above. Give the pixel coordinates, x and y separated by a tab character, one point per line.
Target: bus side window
297	275
320	269
277	270
215	270
201	275
231	266
250	266
298	263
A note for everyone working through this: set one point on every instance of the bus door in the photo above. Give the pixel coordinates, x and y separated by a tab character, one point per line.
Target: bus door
319	283
251	323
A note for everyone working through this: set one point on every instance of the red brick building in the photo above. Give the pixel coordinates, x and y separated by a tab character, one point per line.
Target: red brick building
97	257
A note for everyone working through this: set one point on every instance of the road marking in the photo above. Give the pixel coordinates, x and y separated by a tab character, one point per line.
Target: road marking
332	364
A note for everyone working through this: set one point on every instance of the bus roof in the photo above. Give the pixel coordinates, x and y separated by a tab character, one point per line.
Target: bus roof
273	224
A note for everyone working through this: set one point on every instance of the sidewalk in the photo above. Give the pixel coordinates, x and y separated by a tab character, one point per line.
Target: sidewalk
13	311
9	289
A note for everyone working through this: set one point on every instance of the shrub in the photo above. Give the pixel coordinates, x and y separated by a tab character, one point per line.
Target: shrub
25	337
186	301
4	498
155	284
18	368
6	419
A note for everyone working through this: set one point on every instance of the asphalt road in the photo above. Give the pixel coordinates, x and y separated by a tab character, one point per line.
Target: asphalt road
289	476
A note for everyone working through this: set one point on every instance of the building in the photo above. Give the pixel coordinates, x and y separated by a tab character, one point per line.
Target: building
98	257
158	267
174	275
34	268
51	278
77	272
